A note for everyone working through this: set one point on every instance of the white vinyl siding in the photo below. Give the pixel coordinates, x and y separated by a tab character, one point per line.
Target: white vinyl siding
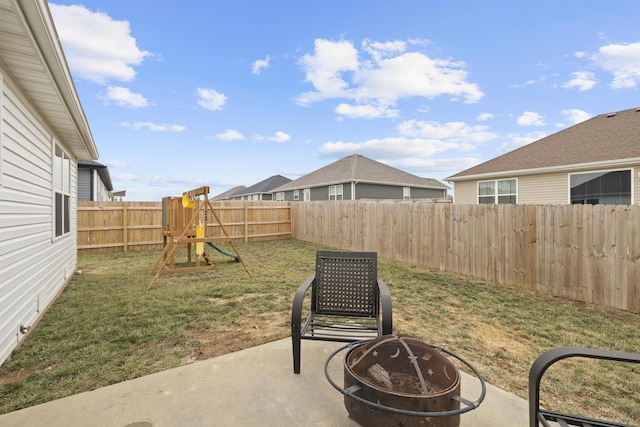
1	124
541	189
465	192
34	266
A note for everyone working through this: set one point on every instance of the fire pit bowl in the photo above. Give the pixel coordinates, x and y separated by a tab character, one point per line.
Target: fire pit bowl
398	380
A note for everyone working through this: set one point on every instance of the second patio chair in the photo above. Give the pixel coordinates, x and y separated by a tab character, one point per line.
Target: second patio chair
347	303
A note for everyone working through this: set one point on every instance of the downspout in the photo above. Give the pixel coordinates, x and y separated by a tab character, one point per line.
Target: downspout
353	189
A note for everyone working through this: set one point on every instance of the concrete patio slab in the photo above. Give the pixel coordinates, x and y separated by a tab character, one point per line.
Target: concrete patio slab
252	387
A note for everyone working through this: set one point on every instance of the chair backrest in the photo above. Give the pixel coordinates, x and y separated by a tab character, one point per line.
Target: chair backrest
346	283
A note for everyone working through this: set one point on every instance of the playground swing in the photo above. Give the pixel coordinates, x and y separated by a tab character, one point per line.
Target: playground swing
177	230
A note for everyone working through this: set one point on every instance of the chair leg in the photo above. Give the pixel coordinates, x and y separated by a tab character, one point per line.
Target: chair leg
295	341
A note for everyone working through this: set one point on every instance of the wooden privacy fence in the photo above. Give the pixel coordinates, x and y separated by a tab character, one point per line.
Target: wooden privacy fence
126	226
583	252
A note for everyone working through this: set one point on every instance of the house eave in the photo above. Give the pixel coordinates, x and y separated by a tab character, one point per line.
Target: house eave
59	104
553	169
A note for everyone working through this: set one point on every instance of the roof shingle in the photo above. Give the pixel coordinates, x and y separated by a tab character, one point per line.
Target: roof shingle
607	137
359	168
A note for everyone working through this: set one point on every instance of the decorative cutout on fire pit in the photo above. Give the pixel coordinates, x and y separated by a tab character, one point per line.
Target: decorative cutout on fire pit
403	365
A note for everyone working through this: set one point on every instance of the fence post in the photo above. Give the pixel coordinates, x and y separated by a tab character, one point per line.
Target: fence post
246	223
124	228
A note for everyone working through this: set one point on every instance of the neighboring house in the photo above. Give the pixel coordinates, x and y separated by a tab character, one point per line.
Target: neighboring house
118	196
358	177
94	182
227	194
594	162
261	190
43	133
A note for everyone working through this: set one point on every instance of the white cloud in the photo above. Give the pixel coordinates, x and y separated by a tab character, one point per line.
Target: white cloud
124	97
324	69
583	80
230	135
391	72
369	111
452	131
391	148
417	142
116	163
529	118
153	127
279	137
621	60
125	177
260	64
97	47
575	116
210	99
483	117
516	140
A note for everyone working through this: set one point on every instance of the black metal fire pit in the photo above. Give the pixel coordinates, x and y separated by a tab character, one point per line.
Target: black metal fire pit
397	380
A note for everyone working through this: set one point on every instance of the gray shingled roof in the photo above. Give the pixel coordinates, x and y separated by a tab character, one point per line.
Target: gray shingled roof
604	138
362	169
228	193
264	186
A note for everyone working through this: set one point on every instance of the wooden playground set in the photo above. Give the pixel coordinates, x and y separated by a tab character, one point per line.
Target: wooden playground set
186	221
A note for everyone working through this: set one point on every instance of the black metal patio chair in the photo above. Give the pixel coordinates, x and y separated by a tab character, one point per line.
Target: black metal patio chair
348	302
547	418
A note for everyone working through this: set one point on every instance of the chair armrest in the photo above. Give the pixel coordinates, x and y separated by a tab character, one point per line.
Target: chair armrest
298	298
387	313
548	358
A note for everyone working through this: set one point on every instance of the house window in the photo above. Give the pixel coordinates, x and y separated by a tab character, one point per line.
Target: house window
335	192
601	188
406	193
280	196
62	191
296	194
502	191
306	194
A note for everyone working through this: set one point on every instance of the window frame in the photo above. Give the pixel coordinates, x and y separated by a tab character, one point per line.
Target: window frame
61	191
296	194
280	196
406	193
496	195
337	195
306	194
631	171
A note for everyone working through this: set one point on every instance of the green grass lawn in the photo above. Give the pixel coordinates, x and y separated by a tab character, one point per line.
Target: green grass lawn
107	328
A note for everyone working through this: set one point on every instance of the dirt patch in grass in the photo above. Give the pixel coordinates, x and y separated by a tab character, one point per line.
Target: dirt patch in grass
246	333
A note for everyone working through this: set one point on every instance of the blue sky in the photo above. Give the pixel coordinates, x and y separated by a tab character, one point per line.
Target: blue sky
184	94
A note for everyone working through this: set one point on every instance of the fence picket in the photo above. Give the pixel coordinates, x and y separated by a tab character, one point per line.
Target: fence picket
588	253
